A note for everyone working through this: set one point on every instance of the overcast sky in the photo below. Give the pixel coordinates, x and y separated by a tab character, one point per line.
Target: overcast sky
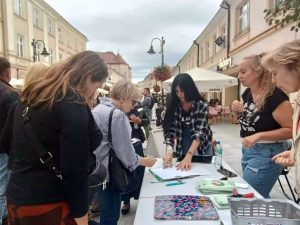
128	26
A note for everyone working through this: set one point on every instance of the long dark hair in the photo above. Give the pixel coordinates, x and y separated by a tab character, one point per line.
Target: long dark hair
185	82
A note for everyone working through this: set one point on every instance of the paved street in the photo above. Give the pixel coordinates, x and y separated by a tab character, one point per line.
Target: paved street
228	134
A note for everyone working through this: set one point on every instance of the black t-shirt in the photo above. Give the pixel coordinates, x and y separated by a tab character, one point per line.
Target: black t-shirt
186	119
253	121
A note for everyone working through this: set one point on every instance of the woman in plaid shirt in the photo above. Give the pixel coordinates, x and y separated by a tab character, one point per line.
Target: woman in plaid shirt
186	123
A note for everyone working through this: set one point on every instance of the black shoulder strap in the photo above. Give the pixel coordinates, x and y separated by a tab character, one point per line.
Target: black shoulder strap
46	157
109	127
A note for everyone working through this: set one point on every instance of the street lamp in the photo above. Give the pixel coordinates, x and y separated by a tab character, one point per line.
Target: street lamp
151	50
35	54
225	5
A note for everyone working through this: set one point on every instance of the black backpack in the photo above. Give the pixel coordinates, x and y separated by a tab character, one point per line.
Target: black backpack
152	102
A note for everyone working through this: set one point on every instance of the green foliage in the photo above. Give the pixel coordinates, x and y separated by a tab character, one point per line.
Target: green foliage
288	11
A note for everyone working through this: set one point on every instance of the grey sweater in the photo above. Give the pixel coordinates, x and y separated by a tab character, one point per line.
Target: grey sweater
121	136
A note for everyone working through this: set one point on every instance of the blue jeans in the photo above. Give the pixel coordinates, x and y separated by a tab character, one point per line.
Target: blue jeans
4	176
110	206
258	168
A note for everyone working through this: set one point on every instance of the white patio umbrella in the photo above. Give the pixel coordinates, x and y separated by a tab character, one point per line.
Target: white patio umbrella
206	80
16	82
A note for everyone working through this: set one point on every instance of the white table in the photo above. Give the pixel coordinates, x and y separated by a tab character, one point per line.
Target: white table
145	210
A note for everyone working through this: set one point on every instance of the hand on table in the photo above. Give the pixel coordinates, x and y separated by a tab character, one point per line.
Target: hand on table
167	160
185	164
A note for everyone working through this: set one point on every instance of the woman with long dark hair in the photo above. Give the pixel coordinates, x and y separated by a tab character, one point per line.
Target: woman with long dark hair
186	120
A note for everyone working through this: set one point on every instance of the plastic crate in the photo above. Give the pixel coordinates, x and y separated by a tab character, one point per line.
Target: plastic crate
264	212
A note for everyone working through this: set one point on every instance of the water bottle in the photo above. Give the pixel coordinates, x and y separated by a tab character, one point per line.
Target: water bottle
218	155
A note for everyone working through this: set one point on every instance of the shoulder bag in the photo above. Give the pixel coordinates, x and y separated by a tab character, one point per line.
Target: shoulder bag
121	179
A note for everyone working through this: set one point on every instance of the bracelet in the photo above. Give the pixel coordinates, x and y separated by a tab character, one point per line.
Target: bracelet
190	153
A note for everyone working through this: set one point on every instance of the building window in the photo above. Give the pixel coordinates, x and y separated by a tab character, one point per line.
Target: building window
51	56
244	17
50	27
18	7
35	17
38	51
20	45
61	57
207	50
59	34
68	39
201	55
214	45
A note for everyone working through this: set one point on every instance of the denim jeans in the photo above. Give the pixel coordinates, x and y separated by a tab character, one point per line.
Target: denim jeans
4	176
110	206
258	168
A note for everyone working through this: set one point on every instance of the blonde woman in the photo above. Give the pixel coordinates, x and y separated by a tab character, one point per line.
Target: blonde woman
57	109
122	97
34	72
265	120
284	65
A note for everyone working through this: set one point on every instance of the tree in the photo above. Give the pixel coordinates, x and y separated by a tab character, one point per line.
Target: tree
285	12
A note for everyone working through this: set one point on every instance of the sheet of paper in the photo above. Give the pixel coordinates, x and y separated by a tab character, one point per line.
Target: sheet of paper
173	173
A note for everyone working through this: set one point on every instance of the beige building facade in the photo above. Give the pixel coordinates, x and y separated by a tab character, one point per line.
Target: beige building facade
25	20
248	34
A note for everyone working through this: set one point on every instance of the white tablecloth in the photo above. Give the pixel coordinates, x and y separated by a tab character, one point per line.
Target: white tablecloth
145	210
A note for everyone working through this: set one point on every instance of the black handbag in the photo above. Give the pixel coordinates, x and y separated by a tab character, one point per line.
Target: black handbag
121	179
96	177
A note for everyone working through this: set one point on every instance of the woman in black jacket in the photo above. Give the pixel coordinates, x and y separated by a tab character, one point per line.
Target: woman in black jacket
56	106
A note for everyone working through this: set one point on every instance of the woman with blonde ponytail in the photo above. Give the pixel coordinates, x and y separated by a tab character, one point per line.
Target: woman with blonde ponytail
265	120
284	65
56	106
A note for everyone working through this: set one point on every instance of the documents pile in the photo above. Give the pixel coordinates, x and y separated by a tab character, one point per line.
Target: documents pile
208	186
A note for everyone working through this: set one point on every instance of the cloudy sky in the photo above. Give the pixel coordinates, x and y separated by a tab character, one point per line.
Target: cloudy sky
128	26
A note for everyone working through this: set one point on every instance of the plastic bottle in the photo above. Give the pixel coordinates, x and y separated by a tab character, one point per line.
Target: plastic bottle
218	155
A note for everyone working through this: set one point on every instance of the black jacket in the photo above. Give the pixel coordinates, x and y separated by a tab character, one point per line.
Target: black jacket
69	132
8	99
138	132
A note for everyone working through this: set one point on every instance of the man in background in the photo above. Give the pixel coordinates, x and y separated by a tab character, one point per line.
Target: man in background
8	97
148	104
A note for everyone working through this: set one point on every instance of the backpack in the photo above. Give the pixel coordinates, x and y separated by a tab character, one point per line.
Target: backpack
152	102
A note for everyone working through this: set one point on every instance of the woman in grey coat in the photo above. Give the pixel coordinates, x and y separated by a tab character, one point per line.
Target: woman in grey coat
122	97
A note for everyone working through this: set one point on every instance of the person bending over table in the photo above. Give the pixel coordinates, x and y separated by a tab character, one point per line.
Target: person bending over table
186	121
265	120
284	65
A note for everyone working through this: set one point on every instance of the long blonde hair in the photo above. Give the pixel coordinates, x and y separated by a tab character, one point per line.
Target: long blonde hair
287	55
34	72
71	75
266	87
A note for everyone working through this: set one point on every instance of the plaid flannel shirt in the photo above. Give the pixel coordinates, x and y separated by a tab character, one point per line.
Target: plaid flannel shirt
200	129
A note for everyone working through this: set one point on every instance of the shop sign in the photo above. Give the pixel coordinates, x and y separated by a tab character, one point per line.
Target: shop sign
214	90
225	62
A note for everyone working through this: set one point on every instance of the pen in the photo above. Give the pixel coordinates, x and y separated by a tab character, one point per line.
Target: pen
174	183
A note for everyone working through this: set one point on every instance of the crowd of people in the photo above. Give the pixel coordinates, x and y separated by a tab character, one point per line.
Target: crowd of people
57	108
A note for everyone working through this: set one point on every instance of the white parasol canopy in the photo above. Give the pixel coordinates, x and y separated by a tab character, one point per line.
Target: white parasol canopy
16	82
206	80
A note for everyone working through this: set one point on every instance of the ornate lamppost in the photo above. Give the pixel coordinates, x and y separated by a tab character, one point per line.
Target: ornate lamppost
35	54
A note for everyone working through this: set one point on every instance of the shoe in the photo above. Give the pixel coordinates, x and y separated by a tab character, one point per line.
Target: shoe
125	209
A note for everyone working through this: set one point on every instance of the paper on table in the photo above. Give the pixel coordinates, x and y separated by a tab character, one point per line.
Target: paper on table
173	173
